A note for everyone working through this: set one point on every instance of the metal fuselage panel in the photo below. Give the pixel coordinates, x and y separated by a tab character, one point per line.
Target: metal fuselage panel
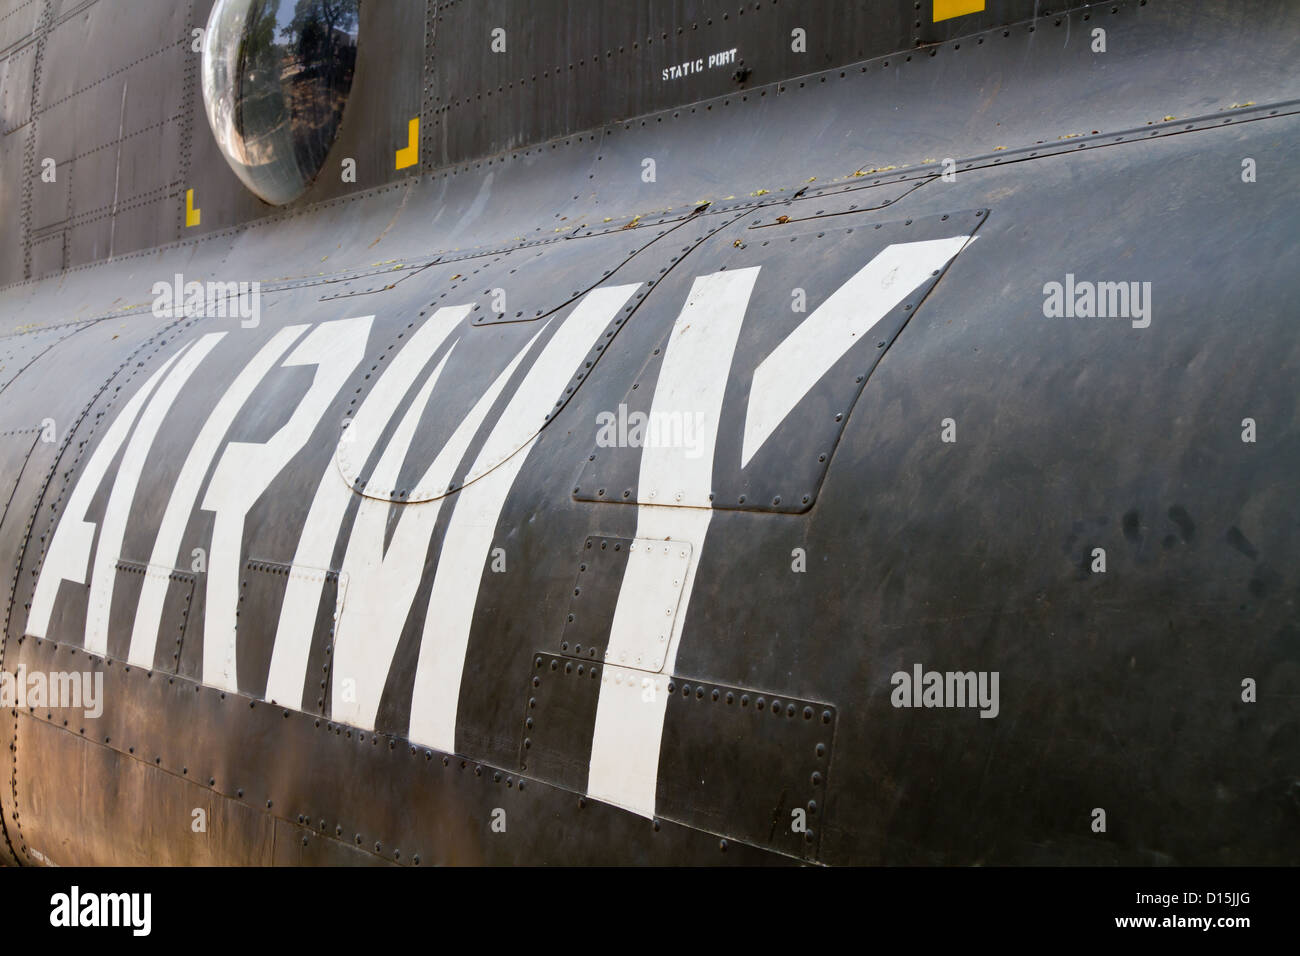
537	511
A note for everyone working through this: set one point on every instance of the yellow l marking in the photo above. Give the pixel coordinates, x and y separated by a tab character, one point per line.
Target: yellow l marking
409	155
191	214
947	9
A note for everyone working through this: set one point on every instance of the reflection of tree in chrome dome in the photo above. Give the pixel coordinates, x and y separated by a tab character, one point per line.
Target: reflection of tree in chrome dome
323	46
326	36
299	82
275	83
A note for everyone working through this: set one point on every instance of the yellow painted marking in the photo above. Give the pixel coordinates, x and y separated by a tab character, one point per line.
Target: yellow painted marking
947	9
191	214
409	154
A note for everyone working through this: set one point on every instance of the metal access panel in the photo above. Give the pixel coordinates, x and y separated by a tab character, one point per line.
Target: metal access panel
595	591
129	582
746	763
830	298
261	596
559	720
653	595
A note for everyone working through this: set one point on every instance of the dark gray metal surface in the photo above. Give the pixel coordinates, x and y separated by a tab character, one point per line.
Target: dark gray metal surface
1119	690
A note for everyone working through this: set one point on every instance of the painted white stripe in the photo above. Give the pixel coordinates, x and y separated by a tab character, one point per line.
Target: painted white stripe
244	472
69	551
798	363
320	532
118	511
389	466
384	582
167	544
624	766
648	597
441	663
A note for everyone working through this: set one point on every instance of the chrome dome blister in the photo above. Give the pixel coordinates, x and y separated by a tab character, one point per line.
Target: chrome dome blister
276	78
